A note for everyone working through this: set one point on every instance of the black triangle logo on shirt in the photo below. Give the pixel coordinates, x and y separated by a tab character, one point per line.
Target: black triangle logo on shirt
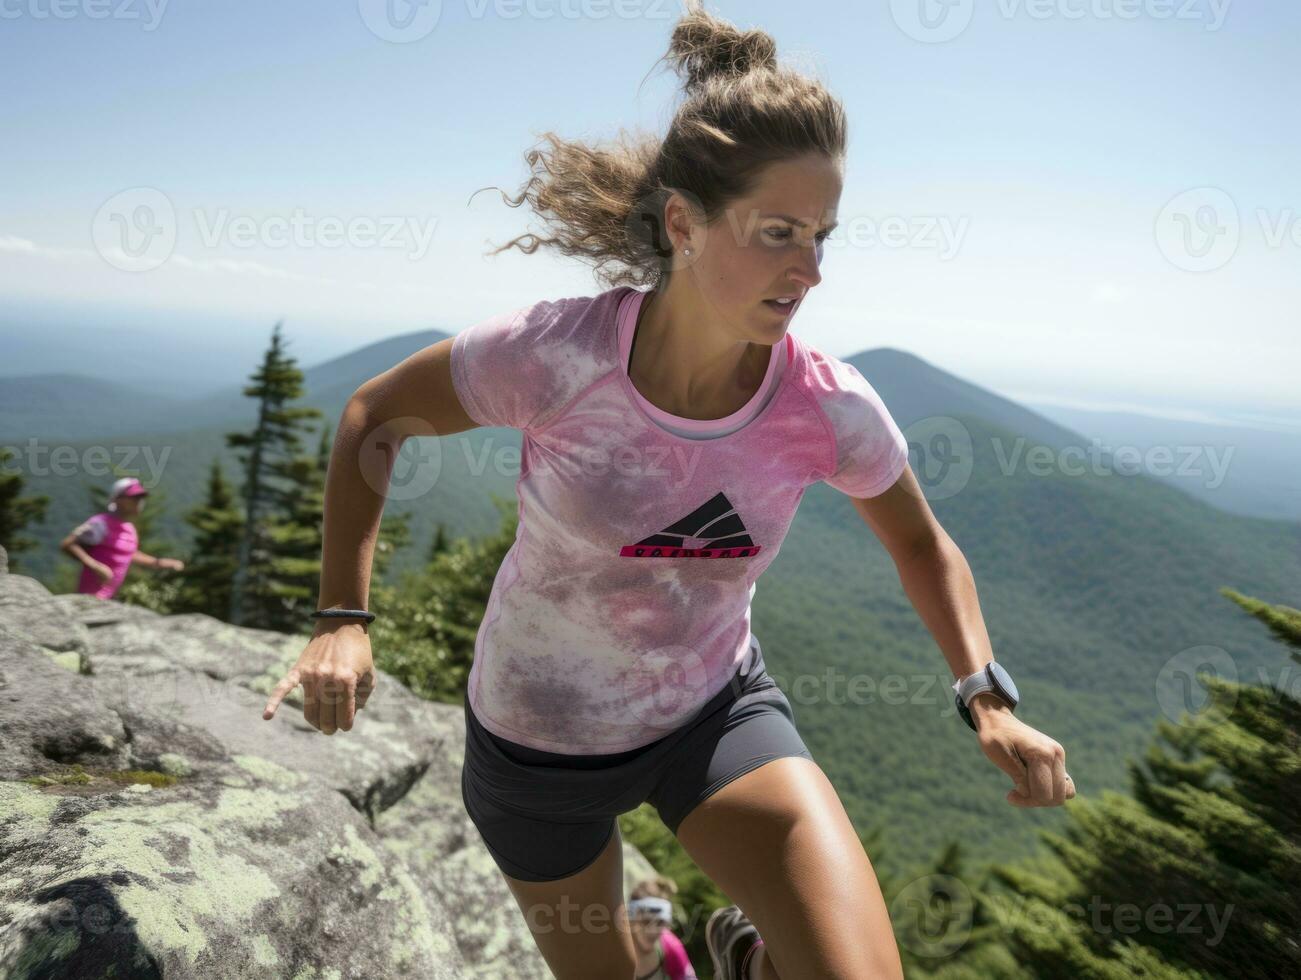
712	530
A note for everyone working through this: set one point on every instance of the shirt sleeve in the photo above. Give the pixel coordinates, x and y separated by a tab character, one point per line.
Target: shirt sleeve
508	369
676	962
871	451
91	531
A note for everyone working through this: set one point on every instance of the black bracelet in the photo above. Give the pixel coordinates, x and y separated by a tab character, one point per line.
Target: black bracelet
349	613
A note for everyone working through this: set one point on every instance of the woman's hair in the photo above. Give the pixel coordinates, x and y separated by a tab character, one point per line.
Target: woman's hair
657	886
741	112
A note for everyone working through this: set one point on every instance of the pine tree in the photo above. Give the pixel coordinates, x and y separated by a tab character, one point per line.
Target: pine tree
259	596
1197	874
394	535
942	918
297	533
300	539
210	569
440	543
17	511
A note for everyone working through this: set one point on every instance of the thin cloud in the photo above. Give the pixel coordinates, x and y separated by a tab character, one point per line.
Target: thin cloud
232	267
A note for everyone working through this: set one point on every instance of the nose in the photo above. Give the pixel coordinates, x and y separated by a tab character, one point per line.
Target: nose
806	271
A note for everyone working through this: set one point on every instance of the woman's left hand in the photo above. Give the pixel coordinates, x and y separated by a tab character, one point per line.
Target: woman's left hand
1036	763
175	564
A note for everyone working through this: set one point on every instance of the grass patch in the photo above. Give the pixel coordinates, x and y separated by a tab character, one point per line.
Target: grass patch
77	775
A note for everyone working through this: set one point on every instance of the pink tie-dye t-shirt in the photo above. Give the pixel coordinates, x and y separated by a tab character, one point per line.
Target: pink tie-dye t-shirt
623	604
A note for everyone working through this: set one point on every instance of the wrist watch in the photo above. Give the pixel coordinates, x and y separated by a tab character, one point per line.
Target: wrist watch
992	677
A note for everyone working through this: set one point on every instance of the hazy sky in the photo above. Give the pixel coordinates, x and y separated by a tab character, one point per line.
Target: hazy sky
1096	201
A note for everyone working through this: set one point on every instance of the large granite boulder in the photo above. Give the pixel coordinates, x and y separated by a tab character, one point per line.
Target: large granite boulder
152	823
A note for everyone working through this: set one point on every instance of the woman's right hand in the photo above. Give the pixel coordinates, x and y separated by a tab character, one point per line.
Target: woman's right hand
103	571
337	675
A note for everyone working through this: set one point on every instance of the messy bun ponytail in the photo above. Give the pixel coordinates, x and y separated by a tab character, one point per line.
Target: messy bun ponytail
741	112
703	48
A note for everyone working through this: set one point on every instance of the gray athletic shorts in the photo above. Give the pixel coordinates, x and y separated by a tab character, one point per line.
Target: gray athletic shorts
548	815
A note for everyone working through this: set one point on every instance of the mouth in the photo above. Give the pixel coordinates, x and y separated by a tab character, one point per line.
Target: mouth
783	309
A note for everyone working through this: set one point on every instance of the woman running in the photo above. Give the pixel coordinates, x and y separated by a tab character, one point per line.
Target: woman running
107	544
668	436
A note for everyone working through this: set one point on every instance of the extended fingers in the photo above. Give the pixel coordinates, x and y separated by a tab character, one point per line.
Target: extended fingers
332	695
286	685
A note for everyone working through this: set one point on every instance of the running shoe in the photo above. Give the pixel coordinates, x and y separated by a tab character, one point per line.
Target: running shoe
728	935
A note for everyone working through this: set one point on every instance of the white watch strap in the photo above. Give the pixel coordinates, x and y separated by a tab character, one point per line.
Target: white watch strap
971	685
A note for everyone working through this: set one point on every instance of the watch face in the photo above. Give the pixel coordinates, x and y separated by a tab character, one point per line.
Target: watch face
1004	680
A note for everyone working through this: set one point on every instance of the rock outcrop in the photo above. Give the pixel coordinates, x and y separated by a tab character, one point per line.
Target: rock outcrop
153	824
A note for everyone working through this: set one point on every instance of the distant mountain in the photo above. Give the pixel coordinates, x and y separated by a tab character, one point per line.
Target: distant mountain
73	406
76	406
1255	472
179	354
914	389
328	385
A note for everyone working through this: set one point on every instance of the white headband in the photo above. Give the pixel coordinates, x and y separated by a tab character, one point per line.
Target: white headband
661	906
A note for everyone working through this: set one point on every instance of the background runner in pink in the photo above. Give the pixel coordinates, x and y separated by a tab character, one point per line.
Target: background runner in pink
109	539
677	964
624	603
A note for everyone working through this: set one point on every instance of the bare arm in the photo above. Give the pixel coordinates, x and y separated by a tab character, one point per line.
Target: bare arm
413	398
935	576
148	561
70	545
938	580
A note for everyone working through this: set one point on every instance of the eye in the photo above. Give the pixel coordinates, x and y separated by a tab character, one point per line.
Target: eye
782	234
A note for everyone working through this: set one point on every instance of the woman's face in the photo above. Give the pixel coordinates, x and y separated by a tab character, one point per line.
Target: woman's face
766	245
646	929
130	506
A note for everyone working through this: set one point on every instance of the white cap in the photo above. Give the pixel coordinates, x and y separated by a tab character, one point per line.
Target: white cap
127	486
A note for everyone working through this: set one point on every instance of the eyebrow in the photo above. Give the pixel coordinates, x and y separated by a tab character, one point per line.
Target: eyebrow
802	224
